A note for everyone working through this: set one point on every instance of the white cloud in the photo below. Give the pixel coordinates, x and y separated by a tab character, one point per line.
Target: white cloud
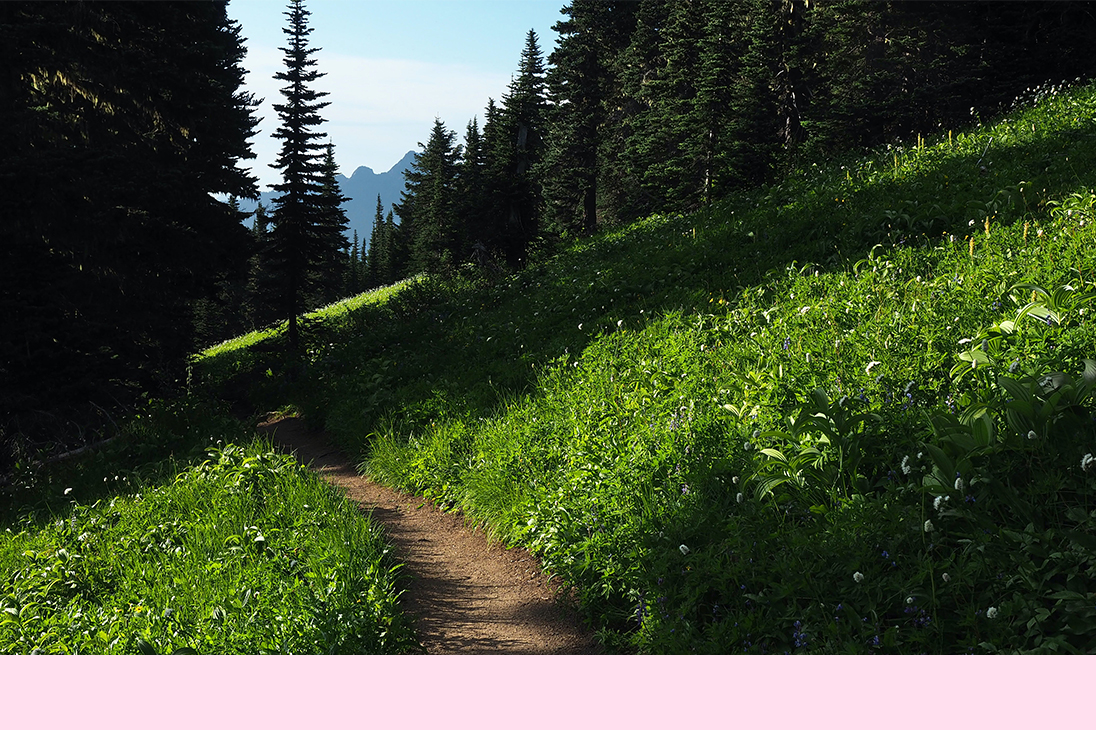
379	108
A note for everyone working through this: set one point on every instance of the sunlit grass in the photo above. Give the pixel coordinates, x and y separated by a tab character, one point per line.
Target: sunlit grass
167	541
733	430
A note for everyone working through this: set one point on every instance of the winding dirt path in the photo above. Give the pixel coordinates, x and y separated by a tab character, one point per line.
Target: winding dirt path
466	596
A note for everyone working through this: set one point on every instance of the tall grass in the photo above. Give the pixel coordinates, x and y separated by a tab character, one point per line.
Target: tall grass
848	413
218	548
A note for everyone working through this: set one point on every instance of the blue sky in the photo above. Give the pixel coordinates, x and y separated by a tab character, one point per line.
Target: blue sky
392	66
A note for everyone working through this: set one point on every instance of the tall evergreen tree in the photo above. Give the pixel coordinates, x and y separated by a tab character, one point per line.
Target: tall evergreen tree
354	271
428	206
472	196
119	122
580	84
328	281
397	249
522	127
377	259
299	246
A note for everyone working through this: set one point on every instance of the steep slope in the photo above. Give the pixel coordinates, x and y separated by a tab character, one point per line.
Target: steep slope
849	413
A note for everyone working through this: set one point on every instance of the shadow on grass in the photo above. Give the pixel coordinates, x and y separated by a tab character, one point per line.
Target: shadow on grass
462	347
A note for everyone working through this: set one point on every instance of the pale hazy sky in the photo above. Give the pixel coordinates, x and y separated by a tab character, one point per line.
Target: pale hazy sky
392	66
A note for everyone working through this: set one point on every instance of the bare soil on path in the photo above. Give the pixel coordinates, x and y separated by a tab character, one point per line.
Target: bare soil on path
465	595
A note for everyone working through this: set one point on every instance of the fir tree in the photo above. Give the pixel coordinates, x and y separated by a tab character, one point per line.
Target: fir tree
377	261
523	127
122	123
299	246
428	205
330	275
580	82
354	272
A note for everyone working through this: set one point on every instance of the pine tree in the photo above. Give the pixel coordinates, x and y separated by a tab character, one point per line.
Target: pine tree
298	245
354	272
122	122
397	249
522	127
580	83
472	200
637	67
428	205
329	279
377	261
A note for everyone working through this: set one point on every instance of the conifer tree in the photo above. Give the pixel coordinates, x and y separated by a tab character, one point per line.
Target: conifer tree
299	246
377	259
330	275
428	206
580	82
522	133
354	272
123	122
397	248
471	186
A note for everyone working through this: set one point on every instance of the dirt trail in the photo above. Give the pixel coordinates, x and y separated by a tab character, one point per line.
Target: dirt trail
466	596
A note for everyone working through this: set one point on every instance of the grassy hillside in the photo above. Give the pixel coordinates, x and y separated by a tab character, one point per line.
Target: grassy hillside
170	540
849	413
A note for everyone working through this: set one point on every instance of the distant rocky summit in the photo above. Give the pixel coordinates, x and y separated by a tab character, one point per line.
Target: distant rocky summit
362	187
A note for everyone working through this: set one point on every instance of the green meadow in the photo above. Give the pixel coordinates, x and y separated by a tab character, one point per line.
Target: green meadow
850	413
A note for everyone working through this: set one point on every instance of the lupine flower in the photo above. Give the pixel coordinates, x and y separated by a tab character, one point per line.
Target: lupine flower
991	612
858	576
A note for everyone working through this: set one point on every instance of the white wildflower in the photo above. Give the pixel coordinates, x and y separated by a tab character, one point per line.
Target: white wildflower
909	601
858	576
1032	436
946	577
684	549
991	612
928	526
1088	463
959	485
740	498
939	502
871	364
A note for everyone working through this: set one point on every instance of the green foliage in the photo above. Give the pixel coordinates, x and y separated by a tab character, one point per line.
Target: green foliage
245	552
786	422
122	124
